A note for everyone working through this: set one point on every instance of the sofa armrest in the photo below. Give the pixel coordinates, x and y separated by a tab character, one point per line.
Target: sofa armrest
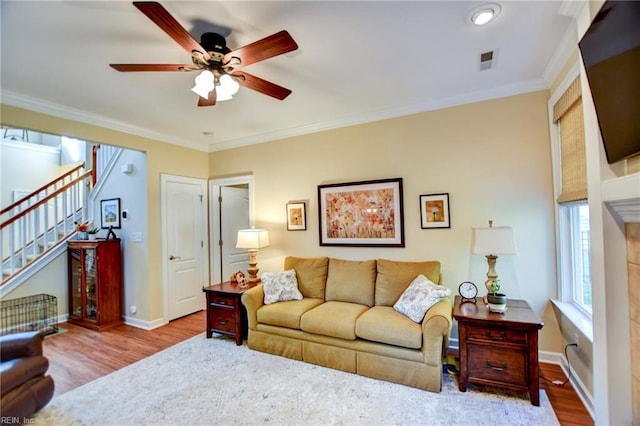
436	327
253	299
20	345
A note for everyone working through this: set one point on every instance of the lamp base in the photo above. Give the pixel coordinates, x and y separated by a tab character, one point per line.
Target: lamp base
491	274
253	267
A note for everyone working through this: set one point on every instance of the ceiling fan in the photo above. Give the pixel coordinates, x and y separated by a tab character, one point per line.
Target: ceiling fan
212	56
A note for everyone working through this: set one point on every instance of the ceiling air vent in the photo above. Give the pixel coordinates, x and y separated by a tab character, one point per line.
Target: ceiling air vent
486	60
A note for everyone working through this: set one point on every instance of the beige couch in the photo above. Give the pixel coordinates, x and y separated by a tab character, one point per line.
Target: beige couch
346	320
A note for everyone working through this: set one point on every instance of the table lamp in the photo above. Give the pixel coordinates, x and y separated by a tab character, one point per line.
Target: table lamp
253	240
492	241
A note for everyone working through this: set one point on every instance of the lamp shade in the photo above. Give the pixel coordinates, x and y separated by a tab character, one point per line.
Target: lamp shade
493	240
252	239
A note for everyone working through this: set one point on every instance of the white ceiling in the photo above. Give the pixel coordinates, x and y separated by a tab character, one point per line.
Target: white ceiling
357	62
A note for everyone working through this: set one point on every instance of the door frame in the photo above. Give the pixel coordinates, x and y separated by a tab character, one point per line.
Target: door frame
164	178
214	217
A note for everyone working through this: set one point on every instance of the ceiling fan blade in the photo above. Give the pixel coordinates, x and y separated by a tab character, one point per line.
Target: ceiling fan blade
266	48
262	86
159	15
153	67
210	101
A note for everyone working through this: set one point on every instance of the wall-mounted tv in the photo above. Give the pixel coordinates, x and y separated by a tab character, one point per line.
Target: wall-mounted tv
611	54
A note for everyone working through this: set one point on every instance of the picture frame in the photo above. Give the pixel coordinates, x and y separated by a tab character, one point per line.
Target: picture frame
110	213
296	216
362	214
434	211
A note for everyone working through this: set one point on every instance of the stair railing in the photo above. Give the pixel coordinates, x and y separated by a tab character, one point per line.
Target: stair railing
46	217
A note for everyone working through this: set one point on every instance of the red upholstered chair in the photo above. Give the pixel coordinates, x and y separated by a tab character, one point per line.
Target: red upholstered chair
25	387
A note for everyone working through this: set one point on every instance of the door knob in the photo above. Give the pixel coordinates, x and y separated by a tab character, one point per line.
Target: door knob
172	257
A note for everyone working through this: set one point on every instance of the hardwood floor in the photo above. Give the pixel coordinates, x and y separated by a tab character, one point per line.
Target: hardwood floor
81	355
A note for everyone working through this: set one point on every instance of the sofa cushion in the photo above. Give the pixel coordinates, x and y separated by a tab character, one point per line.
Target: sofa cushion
383	324
311	274
286	314
351	281
334	319
394	277
280	286
419	297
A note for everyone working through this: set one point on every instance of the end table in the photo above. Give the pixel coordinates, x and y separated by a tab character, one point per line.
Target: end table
499	349
225	312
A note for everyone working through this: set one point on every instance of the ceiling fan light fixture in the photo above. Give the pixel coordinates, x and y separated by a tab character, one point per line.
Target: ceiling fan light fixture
204	84
226	88
484	14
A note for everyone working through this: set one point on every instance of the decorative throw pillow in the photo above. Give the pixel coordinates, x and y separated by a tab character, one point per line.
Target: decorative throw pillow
419	297
280	286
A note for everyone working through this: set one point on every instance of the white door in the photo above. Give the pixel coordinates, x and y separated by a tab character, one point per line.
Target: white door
231	210
234	215
184	206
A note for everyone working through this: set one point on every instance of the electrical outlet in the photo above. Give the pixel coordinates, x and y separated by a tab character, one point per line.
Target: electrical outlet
576	340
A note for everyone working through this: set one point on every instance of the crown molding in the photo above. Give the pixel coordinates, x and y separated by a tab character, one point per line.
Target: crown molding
61	111
384	114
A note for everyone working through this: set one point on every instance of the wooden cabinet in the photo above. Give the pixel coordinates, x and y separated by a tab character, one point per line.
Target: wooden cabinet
226	314
499	349
95	283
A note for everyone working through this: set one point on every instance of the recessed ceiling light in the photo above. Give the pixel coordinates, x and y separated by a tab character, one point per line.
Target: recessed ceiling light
482	15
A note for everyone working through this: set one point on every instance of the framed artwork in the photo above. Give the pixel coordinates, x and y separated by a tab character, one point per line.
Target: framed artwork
110	213
296	217
434	211
368	213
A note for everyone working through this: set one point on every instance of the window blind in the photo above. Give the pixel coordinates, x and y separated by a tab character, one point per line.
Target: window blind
567	113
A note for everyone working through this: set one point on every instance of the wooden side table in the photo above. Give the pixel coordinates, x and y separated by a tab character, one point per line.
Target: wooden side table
225	312
499	349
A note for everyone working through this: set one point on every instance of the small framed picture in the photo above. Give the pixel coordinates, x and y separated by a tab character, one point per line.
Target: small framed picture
296	217
434	211
110	213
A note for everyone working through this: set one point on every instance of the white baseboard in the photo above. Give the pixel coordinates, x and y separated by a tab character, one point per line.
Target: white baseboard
578	385
145	325
557	359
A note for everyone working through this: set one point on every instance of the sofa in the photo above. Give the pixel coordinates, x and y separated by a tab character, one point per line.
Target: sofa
345	317
24	384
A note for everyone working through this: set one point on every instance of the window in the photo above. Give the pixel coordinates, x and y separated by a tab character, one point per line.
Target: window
580	255
570	182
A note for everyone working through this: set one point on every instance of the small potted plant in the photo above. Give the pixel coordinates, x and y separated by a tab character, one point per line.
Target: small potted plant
92	232
497	301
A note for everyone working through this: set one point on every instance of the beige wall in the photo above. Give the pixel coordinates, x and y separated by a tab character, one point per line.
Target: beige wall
493	158
161	158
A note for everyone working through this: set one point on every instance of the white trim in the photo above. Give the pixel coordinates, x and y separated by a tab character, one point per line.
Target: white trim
33	268
556	359
61	111
143	324
30	146
164	178
214	215
386	113
580	388
577	317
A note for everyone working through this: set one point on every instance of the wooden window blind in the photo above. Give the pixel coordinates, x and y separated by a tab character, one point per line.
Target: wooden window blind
567	113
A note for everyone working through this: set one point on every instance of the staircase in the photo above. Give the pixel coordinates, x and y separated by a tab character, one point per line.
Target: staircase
33	230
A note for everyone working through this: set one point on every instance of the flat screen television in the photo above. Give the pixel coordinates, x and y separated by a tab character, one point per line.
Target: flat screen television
610	51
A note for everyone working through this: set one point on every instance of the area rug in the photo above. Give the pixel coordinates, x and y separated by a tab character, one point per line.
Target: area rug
214	382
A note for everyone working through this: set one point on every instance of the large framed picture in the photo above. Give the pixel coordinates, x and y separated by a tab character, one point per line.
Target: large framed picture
296	217
367	213
110	213
434	211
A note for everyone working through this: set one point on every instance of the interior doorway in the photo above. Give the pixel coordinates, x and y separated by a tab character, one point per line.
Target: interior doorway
184	206
230	210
